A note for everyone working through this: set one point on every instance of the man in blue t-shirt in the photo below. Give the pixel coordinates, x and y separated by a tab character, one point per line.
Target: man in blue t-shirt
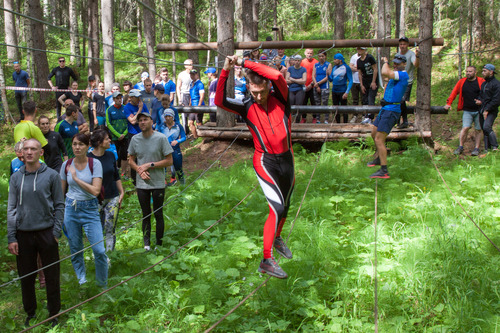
197	93
68	127
21	79
132	109
320	81
340	75
390	112
168	85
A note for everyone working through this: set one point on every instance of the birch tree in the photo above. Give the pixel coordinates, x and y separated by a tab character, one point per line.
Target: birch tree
10	31
108	42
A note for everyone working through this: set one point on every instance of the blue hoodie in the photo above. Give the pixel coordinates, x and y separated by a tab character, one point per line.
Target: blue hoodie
340	75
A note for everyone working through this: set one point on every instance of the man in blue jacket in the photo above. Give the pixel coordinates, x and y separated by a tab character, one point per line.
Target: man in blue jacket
340	75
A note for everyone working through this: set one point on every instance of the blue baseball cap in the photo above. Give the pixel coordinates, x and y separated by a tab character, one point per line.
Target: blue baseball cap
490	67
339	56
211	70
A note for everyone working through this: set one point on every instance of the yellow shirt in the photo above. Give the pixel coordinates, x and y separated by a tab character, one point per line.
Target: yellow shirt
27	129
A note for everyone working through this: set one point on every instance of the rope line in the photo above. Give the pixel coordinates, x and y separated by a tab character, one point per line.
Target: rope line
375	263
123	229
179	28
286	242
144	270
451	192
80	35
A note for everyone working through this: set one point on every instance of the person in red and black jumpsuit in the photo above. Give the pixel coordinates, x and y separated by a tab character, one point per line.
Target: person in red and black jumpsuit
268	118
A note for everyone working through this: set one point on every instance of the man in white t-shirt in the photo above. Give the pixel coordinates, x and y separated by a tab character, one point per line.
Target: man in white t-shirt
183	86
356	88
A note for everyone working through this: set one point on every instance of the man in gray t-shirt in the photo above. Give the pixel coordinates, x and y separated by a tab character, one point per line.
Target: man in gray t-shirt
153	153
412	62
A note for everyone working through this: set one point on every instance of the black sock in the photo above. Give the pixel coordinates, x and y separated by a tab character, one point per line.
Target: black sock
384	168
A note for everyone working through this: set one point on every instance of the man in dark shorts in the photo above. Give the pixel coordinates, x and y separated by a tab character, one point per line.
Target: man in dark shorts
268	117
390	112
62	74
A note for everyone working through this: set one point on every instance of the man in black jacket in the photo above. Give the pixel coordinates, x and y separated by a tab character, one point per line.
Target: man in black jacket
489	100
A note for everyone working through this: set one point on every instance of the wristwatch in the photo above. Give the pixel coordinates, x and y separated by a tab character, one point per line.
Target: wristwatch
152	165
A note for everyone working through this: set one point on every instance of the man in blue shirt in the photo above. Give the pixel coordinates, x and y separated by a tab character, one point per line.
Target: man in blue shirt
341	73
140	85
320	81
168	85
390	112
21	79
197	93
68	127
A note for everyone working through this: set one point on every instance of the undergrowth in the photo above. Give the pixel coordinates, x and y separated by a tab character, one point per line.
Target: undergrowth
436	272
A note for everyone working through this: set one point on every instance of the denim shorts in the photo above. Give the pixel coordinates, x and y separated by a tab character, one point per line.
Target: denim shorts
386	120
470	117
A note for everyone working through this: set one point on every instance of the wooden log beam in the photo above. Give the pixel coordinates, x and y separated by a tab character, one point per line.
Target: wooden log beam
297	44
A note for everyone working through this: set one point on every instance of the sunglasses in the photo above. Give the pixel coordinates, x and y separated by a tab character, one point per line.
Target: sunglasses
62	60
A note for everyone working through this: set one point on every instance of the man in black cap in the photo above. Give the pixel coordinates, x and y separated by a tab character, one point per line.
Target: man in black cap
489	99
411	63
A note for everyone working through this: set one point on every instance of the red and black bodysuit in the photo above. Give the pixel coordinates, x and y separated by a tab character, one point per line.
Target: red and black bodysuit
271	131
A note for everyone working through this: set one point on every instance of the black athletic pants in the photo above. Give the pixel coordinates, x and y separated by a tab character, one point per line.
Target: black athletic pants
144	197
32	243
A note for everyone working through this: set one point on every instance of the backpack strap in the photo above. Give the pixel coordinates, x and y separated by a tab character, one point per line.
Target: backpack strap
68	164
91	165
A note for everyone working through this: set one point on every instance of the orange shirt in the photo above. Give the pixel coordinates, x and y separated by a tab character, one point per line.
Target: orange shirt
308	65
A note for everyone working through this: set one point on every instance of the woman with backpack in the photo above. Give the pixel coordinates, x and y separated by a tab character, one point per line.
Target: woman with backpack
82	179
111	182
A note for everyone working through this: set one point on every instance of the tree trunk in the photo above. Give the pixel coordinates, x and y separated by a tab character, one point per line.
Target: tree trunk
139	28
479	18
247	24
225	44
108	43
29	53
423	106
339	29
7	116
384	24
255	22
209	37
175	16
10	31
94	66
74	40
238	14
191	29
149	34
40	62
53	6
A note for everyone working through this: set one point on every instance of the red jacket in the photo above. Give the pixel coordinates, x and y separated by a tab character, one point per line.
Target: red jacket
458	90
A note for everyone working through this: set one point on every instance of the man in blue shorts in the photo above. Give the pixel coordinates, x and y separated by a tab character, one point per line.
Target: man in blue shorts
390	112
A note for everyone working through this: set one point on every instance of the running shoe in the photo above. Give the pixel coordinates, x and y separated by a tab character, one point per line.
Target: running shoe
459	150
147	247
373	163
366	121
271	267
403	125
326	122
354	119
281	248
380	174
475	152
173	181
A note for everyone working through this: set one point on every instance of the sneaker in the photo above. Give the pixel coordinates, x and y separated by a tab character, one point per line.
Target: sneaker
367	121
475	152
326	122
494	149
380	174
403	125
303	121
173	181
54	322
373	163
147	248
281	248
459	150
314	121
27	321
271	267
354	119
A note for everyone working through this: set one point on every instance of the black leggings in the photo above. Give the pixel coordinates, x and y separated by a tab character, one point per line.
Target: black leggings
144	197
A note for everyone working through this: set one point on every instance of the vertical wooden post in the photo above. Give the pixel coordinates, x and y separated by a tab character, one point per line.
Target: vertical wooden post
423	106
225	45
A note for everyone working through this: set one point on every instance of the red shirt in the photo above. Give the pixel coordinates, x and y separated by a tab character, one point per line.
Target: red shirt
309	66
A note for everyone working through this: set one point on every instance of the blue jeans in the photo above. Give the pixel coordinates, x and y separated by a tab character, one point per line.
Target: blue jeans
84	215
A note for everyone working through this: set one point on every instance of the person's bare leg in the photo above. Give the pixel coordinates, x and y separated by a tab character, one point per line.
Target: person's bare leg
463	135
192	128
374	135
381	149
478	138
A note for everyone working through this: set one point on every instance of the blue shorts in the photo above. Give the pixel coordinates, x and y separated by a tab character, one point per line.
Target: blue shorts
386	120
470	117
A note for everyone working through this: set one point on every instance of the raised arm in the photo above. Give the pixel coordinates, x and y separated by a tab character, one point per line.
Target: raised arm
221	100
